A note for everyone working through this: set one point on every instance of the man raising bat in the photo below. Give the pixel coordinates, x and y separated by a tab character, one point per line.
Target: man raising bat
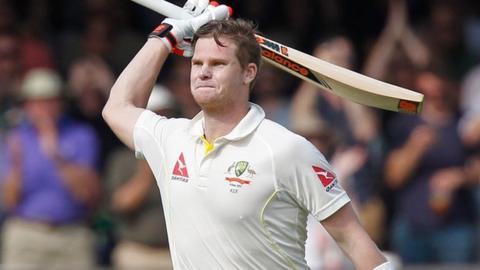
236	188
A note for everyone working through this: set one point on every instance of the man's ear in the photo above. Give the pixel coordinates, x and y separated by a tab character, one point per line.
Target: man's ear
250	73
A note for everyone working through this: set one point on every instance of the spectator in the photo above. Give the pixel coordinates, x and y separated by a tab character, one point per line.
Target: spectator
348	135
89	80
434	208
9	72
470	130
7	16
354	130
398	50
470	98
51	182
270	94
9	80
100	36
178	81
9	84
446	38
35	42
134	198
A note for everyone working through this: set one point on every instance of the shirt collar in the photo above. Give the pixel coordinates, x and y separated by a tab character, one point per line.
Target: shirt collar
245	127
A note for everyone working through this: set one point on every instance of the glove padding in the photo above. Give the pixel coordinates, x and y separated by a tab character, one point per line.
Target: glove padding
177	34
196	7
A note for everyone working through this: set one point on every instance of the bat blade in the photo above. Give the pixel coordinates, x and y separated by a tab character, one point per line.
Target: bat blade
341	81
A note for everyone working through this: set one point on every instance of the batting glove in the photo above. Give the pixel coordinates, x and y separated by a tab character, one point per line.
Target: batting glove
196	7
176	34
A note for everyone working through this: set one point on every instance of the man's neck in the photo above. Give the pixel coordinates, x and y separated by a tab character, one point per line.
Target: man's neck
220	122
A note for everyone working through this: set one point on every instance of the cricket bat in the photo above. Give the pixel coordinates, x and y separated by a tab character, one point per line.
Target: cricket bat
329	77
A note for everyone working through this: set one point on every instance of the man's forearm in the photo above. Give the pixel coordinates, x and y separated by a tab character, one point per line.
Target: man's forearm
135	83
350	236
365	254
11	189
130	195
130	93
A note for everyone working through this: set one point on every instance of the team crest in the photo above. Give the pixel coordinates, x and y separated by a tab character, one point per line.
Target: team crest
240	167
239	173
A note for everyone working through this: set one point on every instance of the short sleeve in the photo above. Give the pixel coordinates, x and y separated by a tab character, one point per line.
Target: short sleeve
311	180
144	131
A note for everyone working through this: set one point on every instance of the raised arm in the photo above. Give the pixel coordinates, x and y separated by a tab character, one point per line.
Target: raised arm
383	50
403	161
11	186
129	94
397	34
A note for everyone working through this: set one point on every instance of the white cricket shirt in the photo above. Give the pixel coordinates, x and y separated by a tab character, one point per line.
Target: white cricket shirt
243	205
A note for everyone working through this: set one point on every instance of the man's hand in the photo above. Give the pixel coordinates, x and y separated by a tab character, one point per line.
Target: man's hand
176	34
397	22
422	138
196	7
443	184
12	186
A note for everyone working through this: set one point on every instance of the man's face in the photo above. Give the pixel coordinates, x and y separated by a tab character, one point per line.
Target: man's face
217	78
43	110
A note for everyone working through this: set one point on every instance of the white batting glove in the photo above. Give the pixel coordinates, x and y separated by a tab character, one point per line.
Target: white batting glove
196	7
176	34
184	48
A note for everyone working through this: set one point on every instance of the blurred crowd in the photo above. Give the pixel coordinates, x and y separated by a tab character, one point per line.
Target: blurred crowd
72	194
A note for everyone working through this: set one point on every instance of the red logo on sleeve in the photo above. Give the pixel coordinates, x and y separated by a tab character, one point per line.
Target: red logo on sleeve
325	176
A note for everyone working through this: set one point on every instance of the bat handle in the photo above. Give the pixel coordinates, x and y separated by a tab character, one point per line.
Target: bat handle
170	10
165	8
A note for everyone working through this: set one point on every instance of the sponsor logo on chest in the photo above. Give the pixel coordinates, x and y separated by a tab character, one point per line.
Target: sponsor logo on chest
180	171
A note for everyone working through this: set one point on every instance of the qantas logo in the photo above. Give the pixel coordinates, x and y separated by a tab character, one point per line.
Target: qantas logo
327	178
180	172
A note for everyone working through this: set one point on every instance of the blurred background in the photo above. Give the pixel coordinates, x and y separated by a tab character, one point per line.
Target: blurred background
73	197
